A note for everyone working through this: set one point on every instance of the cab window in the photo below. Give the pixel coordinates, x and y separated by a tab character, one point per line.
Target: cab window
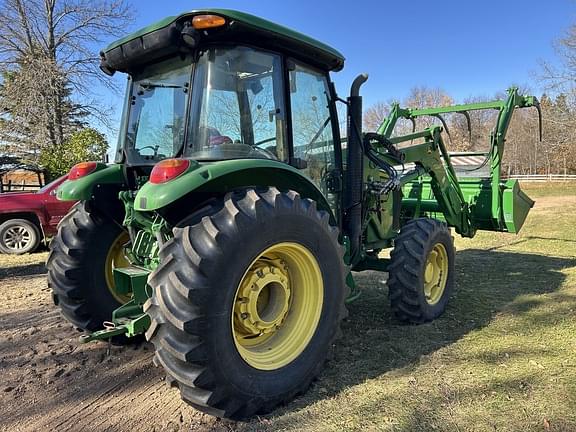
311	124
237	106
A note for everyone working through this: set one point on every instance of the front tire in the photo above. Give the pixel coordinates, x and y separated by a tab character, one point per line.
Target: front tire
421	271
19	236
82	256
247	301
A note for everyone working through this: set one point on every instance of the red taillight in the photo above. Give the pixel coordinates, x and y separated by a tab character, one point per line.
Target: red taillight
82	169
168	170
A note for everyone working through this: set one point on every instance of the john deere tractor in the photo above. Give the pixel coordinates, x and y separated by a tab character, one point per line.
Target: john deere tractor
227	228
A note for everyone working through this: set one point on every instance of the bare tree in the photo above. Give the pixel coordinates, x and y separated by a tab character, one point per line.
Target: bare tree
375	115
419	97
561	78
49	65
28	95
559	110
426	97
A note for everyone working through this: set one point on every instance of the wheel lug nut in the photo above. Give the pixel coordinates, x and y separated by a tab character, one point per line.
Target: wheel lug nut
244	315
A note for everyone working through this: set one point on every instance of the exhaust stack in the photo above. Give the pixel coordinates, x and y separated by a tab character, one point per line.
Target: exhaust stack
354	166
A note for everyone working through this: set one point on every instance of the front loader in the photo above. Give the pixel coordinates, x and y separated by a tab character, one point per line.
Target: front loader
228	227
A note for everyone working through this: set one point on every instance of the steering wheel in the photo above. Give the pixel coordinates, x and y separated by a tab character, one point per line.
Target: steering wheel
265	151
153	148
264	141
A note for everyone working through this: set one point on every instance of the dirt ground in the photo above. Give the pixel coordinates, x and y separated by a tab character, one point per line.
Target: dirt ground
48	381
51	382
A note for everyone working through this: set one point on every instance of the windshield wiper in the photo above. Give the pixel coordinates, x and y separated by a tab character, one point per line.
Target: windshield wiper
147	85
326	123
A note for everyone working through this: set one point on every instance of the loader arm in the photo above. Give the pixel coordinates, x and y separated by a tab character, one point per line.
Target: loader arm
431	158
449	198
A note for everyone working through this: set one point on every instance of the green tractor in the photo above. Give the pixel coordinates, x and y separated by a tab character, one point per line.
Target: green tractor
227	228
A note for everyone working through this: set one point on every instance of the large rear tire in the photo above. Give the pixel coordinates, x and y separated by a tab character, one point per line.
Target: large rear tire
87	248
421	271
247	302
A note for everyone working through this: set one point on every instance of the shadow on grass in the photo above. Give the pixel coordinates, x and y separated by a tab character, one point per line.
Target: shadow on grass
529	238
374	342
428	418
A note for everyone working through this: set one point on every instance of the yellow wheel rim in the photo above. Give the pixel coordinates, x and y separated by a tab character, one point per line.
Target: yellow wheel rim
117	259
435	273
277	306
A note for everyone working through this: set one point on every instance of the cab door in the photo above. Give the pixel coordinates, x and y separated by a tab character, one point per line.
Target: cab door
314	150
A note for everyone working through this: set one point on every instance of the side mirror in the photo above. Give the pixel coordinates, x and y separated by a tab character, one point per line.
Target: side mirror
256	87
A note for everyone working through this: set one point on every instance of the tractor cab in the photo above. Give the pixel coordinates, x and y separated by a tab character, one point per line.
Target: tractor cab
210	86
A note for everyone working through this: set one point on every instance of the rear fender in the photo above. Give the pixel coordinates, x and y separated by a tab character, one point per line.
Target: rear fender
82	189
225	176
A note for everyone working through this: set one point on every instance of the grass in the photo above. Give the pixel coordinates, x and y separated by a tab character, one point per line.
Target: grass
536	190
500	359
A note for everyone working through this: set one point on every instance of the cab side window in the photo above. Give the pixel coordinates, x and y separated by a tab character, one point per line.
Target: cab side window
311	124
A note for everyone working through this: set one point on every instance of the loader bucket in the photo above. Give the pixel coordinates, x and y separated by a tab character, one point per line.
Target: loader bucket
477	192
516	205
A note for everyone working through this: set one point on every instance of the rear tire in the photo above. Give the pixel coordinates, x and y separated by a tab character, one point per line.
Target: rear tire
77	269
199	291
19	236
421	271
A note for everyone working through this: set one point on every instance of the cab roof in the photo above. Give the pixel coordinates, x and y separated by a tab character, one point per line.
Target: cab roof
241	28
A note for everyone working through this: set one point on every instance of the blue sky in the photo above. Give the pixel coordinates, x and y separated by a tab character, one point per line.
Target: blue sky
465	47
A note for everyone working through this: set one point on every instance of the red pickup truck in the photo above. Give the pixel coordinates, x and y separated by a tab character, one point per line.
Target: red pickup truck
27	218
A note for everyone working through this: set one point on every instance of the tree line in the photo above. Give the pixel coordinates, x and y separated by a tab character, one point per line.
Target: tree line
524	153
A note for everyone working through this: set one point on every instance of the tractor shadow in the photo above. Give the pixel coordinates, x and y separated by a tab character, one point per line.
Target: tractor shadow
374	342
33	269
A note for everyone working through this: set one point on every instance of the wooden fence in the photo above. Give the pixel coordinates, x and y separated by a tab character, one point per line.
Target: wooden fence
544	177
11	186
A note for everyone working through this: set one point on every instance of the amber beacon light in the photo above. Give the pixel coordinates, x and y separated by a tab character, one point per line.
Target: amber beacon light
201	22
